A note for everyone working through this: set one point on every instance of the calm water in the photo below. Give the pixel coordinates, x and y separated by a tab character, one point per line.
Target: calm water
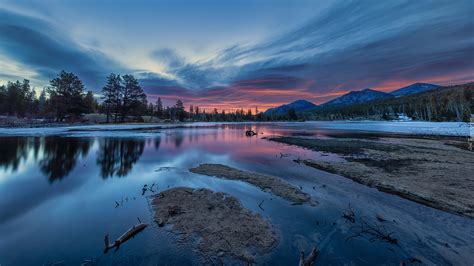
58	194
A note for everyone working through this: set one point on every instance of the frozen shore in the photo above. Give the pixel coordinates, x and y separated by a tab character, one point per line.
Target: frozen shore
458	129
431	172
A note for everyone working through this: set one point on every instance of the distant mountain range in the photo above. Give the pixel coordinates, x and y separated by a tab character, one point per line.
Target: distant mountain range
414	88
352	98
355	97
300	105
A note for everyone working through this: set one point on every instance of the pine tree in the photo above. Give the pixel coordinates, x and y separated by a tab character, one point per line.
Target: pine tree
133	97
66	94
159	108
180	112
111	95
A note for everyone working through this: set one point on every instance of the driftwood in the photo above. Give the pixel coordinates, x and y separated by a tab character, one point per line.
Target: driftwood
131	232
310	260
250	133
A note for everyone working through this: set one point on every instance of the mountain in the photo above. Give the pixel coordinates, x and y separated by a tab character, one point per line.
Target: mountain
355	97
300	105
452	103
413	88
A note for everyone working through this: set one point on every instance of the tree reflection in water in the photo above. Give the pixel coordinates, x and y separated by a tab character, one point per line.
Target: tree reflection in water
116	157
12	151
61	154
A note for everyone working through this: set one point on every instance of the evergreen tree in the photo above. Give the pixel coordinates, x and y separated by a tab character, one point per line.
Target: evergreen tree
179	110
42	102
133	97
292	114
159	108
66	94
89	103
111	94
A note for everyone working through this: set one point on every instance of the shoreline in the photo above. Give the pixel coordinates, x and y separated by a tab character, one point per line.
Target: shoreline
411	168
412	128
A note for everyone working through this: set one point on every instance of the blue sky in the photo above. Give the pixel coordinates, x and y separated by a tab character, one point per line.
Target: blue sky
230	54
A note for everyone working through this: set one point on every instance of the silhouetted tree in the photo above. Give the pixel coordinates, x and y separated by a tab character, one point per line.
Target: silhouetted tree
66	94
133	97
90	104
17	98
111	95
292	114
159	108
179	110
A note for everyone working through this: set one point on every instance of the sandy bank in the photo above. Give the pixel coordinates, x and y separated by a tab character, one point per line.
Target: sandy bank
266	182
425	171
223	227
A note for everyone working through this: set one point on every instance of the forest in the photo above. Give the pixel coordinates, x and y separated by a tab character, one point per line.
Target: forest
452	103
122	99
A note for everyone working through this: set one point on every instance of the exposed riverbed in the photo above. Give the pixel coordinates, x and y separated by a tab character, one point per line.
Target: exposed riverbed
61	192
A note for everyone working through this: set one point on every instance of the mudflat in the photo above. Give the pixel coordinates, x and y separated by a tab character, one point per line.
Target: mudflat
434	172
223	227
274	184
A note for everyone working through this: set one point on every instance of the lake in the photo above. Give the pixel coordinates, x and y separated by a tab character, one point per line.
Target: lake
62	190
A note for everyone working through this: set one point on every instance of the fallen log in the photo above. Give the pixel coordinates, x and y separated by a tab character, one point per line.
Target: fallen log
131	232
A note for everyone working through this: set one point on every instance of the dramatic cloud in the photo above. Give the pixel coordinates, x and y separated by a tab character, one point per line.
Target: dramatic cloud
341	46
354	45
34	43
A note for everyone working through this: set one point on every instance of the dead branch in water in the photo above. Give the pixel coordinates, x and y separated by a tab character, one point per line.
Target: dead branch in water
374	232
349	215
260	205
310	260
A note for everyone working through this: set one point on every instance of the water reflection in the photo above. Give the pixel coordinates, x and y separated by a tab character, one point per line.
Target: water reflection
15	149
58	156
116	157
61	154
35	214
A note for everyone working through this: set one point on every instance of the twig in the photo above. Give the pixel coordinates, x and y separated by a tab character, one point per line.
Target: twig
374	232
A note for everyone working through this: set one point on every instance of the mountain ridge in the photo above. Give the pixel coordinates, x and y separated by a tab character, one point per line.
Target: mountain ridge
298	105
414	88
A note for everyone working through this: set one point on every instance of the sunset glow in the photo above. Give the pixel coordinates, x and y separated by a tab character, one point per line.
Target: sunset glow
244	55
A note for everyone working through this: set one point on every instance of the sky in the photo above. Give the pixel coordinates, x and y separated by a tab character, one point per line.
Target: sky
240	54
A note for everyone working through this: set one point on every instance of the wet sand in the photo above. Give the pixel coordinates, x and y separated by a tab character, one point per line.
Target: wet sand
433	172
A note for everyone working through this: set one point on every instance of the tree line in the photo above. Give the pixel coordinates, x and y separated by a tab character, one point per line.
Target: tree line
63	98
453	103
122	99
